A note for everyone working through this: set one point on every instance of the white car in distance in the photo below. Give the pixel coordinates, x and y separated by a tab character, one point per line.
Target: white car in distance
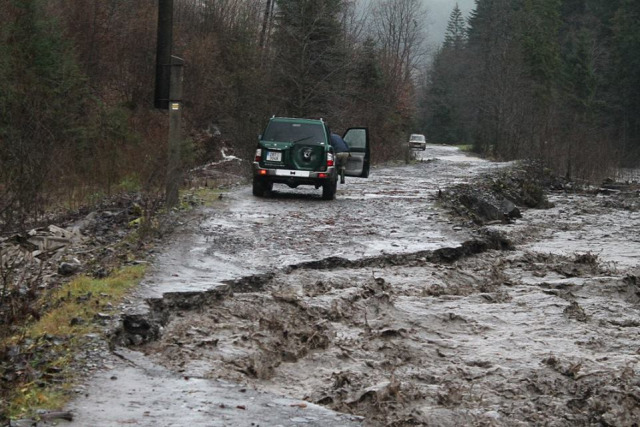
417	141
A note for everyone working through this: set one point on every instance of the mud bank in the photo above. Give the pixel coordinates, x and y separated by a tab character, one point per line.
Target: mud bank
493	339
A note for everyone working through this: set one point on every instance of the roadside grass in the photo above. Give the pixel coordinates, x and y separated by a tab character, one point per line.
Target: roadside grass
153	219
204	196
467	148
83	298
45	366
50	343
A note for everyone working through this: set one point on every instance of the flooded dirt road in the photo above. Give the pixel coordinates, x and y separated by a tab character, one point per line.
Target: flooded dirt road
379	309
393	211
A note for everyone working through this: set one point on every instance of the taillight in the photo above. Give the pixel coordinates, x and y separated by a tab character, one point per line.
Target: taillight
329	159
259	155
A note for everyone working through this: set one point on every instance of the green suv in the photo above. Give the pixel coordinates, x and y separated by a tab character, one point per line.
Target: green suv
298	152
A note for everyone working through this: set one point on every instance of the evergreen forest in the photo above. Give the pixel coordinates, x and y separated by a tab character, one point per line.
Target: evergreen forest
552	80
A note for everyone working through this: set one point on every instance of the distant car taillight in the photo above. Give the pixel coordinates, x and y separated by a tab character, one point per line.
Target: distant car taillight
329	159
259	155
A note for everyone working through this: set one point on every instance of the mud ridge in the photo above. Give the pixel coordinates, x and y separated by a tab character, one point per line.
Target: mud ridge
493	241
137	329
462	343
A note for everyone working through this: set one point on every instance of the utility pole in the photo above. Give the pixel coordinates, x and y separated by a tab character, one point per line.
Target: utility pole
168	96
164	45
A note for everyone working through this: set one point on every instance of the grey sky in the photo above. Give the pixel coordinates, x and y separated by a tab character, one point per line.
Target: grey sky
439	11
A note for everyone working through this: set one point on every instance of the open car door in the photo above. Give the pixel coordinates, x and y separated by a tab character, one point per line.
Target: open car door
358	141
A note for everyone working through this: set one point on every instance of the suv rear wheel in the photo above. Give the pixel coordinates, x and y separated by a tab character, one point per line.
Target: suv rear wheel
329	190
261	187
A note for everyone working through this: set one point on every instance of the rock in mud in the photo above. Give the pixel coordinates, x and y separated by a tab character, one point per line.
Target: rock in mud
137	329
496	197
100	273
68	268
481	206
510	209
77	321
574	311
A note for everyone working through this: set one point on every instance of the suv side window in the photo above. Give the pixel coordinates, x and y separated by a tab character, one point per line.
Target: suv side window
356	139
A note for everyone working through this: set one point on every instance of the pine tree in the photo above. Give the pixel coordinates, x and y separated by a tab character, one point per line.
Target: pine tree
581	78
456	33
627	70
540	41
445	85
531	67
496	78
309	57
42	99
364	91
368	72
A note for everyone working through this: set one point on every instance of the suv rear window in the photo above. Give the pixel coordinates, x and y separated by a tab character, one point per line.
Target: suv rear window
294	132
417	137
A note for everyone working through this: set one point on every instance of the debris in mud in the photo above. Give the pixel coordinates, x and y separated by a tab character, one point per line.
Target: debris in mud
43	416
385	393
486	208
69	268
452	395
627	194
581	265
496	196
574	311
417	342
566	368
223	171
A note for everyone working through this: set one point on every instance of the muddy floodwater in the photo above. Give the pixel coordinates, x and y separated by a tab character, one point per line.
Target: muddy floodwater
380	309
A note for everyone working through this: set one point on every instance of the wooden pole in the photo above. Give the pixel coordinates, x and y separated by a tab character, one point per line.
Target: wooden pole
163	53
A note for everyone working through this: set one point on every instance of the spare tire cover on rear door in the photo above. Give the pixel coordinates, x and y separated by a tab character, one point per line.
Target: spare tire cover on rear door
308	157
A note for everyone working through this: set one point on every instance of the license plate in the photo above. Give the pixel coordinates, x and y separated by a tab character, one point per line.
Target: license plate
274	156
288	172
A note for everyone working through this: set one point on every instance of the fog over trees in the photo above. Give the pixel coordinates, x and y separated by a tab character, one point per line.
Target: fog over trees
551	80
438	14
554	80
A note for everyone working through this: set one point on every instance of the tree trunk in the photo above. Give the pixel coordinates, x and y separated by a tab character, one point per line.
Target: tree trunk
265	23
